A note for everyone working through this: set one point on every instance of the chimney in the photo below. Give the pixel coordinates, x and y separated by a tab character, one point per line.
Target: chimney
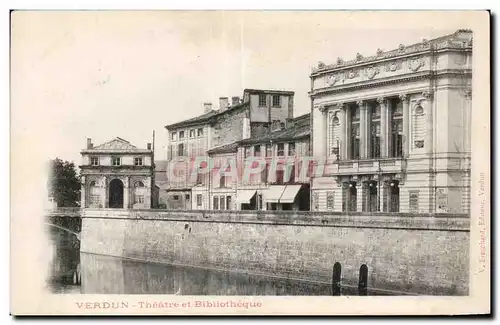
235	100
89	143
223	103
289	122
149	146
207	107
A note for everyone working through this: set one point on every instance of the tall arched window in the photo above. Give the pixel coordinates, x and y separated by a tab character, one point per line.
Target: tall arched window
94	195
139	192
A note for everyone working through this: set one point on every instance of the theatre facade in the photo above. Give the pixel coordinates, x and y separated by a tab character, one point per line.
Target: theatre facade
394	129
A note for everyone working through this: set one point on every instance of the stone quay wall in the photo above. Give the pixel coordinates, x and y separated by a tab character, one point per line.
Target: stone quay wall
404	253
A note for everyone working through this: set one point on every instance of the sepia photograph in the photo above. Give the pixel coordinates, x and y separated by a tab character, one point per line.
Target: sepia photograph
210	160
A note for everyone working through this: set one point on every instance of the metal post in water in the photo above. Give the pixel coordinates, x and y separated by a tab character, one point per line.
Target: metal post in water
363	280
336	276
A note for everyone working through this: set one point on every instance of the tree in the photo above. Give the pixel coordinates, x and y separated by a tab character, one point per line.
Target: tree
64	183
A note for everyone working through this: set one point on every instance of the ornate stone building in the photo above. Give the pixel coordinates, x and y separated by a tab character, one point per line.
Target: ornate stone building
119	175
395	129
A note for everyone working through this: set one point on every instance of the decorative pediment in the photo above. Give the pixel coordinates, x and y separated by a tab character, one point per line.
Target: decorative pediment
116	144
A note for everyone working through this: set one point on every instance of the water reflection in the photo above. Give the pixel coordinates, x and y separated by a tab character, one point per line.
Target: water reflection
65	275
108	275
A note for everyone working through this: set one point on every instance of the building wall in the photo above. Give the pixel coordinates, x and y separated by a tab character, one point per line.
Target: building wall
228	127
301	245
437	165
269	113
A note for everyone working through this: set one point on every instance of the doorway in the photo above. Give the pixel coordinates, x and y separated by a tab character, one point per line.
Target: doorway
116	194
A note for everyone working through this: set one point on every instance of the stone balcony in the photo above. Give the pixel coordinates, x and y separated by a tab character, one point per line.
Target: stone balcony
365	166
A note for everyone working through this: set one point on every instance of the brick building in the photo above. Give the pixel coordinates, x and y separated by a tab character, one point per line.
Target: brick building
278	181
234	121
395	129
117	174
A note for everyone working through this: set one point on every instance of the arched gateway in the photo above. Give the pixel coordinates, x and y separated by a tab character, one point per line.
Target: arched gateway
116	194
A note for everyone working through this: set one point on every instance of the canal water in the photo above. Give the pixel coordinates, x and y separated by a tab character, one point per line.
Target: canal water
75	272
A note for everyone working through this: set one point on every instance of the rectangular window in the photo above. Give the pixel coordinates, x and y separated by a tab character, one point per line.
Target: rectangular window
291	149
279	177
262	100
216	203
269	150
138	161
222	203
264	173
116	161
199	200
180	150
200	132
188	197
139	199
259	202
257	151
94	161
276	101
281	149
222	183
228	203
192	133
181	135
175	197
174	136
355	142
247	151
330	195
291	179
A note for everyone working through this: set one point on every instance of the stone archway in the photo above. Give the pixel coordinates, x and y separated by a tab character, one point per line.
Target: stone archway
116	194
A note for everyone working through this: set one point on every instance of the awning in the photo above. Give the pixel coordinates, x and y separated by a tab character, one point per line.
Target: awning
273	193
289	193
244	196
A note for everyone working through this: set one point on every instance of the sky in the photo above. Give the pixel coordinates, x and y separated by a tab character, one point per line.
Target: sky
105	74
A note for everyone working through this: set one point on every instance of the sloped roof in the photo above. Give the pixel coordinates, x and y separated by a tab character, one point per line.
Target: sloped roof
204	118
117	145
227	148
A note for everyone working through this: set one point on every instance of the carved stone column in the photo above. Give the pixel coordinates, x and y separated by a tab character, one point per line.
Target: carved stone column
126	192
429	135
347	133
342	122
363	136
105	192
406	124
384	145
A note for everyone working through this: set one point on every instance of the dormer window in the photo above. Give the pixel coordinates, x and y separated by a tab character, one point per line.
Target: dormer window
116	161
138	161
94	161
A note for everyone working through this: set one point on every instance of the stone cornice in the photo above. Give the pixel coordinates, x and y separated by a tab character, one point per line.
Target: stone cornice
389	80
370	84
445	43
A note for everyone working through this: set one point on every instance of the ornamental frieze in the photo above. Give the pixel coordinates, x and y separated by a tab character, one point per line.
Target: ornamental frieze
450	42
416	63
371	72
393	66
